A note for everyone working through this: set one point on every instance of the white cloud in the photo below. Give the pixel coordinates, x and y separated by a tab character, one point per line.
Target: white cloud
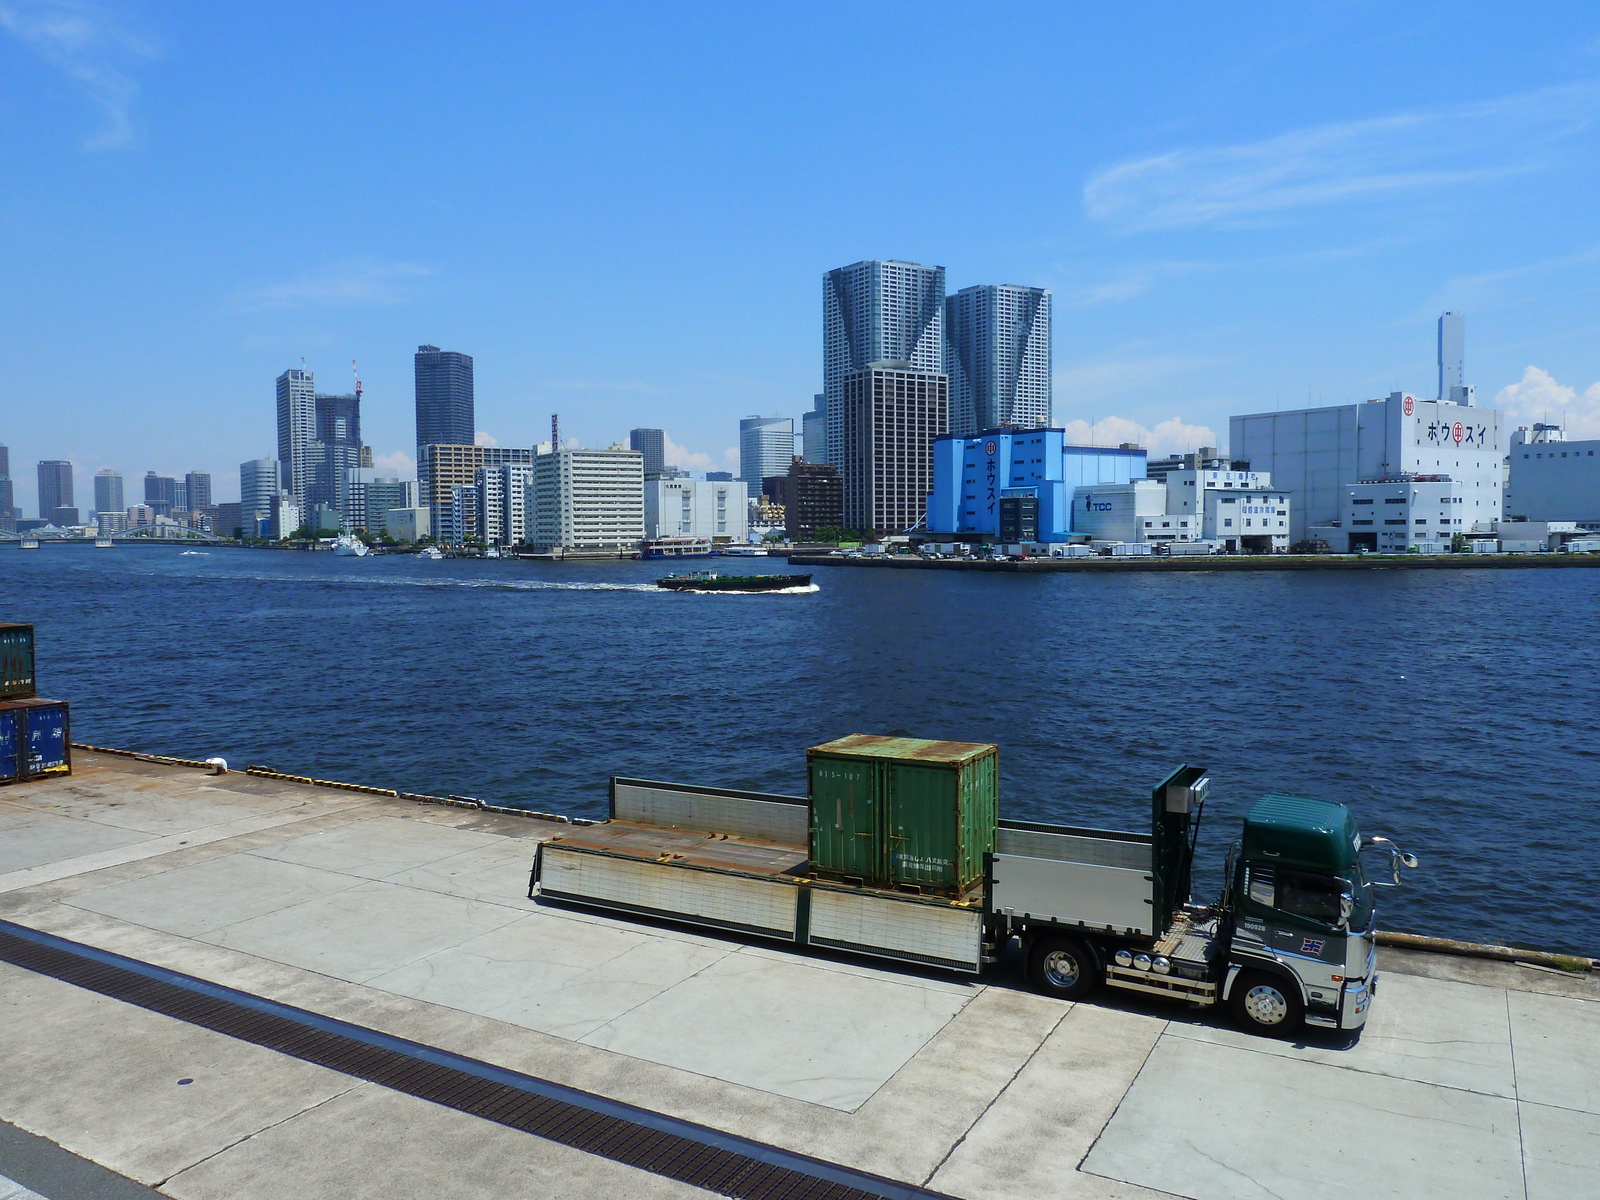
1348	160
484	439
682	458
1172	436
1539	397
361	281
87	45
399	464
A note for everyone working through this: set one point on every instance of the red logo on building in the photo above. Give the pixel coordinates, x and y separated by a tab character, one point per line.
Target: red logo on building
990	447
1409	405
1457	432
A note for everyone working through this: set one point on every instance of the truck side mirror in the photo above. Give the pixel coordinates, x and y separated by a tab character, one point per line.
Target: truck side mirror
1397	858
1347	905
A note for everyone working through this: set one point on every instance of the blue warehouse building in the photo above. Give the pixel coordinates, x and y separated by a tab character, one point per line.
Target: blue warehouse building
1017	484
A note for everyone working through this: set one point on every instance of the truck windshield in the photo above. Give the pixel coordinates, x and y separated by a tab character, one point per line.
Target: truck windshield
1312	896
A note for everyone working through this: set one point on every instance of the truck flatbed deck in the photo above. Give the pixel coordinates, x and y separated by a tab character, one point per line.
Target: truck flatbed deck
689	847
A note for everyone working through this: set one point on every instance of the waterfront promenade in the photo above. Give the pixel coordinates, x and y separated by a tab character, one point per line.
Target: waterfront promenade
1474	1079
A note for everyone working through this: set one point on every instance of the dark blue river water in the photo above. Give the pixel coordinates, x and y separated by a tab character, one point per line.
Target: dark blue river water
1456	711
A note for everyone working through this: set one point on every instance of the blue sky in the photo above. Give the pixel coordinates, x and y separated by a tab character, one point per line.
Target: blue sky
624	211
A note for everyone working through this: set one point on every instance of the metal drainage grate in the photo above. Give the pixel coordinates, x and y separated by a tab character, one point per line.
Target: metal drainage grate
663	1145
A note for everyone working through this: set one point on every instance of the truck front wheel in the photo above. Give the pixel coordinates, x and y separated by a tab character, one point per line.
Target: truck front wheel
1063	967
1267	1004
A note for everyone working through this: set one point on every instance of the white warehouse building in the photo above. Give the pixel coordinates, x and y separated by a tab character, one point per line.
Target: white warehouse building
1422	512
1239	516
1315	453
716	510
1553	479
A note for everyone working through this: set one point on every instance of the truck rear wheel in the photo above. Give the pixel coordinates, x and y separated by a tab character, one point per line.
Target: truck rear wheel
1063	967
1267	1004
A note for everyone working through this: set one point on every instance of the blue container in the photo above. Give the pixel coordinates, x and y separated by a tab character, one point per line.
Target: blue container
35	739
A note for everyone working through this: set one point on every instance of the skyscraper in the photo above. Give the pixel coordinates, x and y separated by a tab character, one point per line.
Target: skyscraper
997	354
258	491
199	485
814	431
8	498
297	429
890	417
160	493
337	450
877	312
445	415
652	443
766	448
108	496
55	486
1452	355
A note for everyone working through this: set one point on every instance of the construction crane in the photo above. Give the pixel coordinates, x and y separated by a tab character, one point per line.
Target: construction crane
357	374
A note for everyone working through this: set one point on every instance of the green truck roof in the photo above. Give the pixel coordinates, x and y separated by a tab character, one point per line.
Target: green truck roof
1307	833
906	749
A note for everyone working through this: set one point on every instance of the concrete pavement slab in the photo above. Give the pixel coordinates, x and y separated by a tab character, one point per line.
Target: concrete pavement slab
374	1144
101	1078
1561	1152
197	899
1429	1030
47	838
1219	1123
379	846
1557	1044
783	1027
497	873
363	931
158	812
548	973
1030	1140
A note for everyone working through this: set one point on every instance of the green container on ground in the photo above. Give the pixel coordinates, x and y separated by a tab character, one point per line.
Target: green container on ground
903	813
16	662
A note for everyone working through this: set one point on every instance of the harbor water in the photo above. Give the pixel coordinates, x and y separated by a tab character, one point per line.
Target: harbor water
1458	712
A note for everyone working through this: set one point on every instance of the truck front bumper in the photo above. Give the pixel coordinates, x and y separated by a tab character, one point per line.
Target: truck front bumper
1356	1002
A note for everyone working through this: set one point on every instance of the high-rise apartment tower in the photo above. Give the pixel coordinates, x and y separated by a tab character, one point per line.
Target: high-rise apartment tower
652	443
55	486
877	311
890	418
108	493
997	354
445	415
297	430
199	485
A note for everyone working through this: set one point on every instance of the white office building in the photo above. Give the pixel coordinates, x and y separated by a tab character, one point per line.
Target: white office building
1189	486
1314	453
1118	512
588	499
1248	520
1397	515
715	510
766	448
502	503
1553	479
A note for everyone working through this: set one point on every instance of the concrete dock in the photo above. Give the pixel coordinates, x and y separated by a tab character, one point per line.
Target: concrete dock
1473	1079
1208	562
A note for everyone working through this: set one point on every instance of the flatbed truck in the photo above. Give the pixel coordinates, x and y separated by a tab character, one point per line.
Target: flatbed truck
1288	942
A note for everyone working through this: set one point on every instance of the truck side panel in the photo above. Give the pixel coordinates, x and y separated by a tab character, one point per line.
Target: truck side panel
1113	899
769	908
755	815
936	934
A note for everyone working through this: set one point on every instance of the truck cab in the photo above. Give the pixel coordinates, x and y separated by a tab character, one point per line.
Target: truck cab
1304	943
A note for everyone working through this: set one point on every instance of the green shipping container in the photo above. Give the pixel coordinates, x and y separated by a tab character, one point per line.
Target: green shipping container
904	812
16	662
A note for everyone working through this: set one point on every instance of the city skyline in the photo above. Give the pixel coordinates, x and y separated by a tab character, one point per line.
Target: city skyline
1223	223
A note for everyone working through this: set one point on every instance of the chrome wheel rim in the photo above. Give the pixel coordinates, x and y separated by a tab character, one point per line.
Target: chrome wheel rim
1061	968
1266	1004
